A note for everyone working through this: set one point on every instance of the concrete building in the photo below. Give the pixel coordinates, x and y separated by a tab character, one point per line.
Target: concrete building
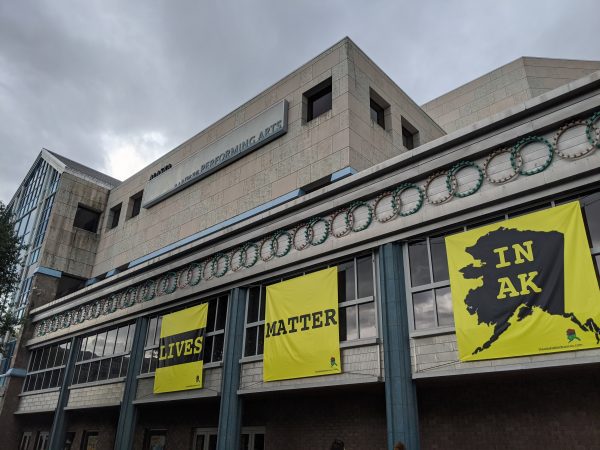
333	166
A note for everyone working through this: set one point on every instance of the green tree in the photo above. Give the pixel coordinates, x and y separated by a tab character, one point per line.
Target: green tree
10	249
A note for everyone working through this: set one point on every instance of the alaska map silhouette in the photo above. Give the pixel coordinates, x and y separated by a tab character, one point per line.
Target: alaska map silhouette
548	261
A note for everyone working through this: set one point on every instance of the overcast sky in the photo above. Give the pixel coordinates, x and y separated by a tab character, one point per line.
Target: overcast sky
115	84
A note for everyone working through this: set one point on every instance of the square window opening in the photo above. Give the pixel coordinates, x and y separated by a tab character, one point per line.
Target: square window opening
115	213
380	110
410	135
135	205
317	100
86	219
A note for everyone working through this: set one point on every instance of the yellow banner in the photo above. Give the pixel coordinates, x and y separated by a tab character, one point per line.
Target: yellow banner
524	286
181	350
301	327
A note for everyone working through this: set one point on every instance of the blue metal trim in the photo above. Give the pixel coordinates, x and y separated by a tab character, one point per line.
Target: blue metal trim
218	227
230	411
110	273
48	271
400	392
342	173
14	372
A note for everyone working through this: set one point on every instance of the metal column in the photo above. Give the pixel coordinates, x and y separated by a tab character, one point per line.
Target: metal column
400	392
230	412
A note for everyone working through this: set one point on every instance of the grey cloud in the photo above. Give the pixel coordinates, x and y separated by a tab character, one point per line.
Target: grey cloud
72	72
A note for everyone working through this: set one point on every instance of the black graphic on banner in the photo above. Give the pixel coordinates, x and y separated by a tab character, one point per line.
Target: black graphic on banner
181	348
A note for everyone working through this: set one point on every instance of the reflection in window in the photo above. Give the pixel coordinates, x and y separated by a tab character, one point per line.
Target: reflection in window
46	367
105	355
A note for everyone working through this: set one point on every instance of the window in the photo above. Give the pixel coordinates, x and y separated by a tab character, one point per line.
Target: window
89	440
25	439
379	108
42	441
356	297
205	439
410	135
86	219
46	367
115	213
155	440
69	439
427	268
252	439
135	204
214	337
104	356
68	284
317	100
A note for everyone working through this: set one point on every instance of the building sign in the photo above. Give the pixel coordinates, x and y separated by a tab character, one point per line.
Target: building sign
524	286
301	327
181	350
253	134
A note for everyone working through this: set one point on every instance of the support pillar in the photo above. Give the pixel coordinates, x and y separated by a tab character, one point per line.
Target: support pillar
230	412
59	423
400	392
128	412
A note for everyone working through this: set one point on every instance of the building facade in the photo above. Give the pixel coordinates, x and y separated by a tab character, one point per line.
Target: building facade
333	166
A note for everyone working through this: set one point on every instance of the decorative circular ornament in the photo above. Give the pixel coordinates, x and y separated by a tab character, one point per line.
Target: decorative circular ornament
206	264
451	179
130	296
311	224
271	250
592	133
214	265
97	309
566	127
516	152
306	233
443	199
515	170
149	290
397	203
389	216
241	259
250	261
348	223
352	209
276	245
167	283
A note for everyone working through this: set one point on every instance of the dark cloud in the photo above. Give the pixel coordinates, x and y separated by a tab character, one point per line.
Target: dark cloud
115	84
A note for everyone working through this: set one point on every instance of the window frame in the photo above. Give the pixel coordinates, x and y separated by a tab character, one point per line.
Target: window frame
47	370
498	216
86	210
99	359
252	432
114	216
206	433
313	95
355	302
135	205
154	346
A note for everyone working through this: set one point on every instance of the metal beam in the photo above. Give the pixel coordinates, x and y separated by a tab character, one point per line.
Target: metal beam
128	412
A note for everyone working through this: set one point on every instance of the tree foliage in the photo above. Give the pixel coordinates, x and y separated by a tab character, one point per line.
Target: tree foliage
10	249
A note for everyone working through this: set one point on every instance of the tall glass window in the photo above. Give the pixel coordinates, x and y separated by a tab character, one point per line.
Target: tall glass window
104	355
46	367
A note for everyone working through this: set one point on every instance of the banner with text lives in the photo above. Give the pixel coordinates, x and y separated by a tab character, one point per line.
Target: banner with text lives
524	286
301	327
181	350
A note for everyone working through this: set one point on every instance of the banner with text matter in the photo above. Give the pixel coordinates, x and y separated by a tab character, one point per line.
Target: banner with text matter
301	327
